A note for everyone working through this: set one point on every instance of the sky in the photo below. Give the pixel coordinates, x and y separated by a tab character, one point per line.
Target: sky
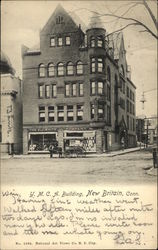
21	22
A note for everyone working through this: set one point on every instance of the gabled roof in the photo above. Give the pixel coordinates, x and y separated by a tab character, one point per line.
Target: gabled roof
67	25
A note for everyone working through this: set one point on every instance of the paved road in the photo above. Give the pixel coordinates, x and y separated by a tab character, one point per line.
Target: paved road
128	168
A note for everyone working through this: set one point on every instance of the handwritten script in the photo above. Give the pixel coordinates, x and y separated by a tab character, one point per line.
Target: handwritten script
88	218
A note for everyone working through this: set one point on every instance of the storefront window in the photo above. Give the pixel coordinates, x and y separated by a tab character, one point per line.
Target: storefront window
41	142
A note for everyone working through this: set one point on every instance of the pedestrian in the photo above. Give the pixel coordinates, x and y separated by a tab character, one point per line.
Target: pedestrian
51	151
155	160
122	143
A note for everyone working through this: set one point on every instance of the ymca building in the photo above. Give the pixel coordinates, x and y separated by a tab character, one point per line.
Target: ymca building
77	88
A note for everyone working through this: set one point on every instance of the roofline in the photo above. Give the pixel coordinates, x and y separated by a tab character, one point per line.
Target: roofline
131	82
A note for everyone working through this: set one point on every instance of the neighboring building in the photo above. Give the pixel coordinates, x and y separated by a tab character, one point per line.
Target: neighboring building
151	129
77	88
11	108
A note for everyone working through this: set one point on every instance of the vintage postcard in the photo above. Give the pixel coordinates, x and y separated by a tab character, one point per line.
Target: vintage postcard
79	124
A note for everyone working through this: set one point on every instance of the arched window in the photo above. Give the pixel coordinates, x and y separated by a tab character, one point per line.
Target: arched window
51	70
108	75
122	70
99	41
60	69
79	68
41	70
92	42
69	68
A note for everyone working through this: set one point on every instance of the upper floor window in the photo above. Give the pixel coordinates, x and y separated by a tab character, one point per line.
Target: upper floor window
74	89
51	114
79	68
67	40
97	65
127	91
108	115
40	91
41	70
51	69
80	89
67	89
52	41
79	112
60	41
92	111
41	114
69	68
59	20
108	93
100	88
47	91
70	113
108	75
60	113
99	41
92	42
54	90
93	91
60	69
100	111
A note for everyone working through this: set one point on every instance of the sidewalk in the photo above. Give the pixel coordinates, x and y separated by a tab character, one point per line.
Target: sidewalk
89	155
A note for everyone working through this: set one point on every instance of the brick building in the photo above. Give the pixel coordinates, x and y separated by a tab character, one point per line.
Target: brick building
77	88
11	108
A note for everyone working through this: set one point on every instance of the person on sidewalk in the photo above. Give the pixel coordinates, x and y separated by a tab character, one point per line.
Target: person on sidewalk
51	151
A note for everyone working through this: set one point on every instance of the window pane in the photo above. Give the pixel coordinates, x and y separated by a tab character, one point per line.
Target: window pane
92	111
81	89
60	69
100	65
67	89
100	87
100	111
93	65
93	88
41	70
92	42
52	41
67	40
99	42
74	89
47	91
40	91
54	91
79	68
70	69
60	41
60	113
51	71
79	112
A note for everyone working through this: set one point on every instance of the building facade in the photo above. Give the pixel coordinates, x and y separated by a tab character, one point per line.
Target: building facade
11	108
77	88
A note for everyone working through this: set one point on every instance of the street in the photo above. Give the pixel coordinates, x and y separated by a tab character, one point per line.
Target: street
127	168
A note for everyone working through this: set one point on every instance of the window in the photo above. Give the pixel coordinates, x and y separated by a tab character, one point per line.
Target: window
93	65
47	91
130	94
99	41
80	89
60	69
108	75
108	93
123	85
41	114
67	40
40	91
79	112
100	111
127	122
59	20
127	106
69	68
74	90
130	107
67	89
92	111
127	92
70	113
41	70
51	114
60	113
100	88
122	70
60	41
100	65
122	103
52	41
54	90
51	69
79	68
93	89
108	115
92	42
